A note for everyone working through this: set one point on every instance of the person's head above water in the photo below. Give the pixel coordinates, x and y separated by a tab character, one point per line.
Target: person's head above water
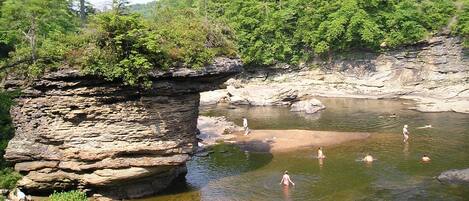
286	172
405	126
319	148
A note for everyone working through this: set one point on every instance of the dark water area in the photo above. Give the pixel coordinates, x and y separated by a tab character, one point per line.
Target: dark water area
232	174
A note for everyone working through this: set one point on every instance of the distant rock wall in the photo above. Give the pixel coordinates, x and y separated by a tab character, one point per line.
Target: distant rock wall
435	73
75	131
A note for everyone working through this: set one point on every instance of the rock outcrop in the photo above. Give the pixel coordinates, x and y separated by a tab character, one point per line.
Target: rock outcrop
455	177
310	106
435	73
216	129
75	131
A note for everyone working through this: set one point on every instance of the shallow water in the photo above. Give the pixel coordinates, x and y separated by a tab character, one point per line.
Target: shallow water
232	174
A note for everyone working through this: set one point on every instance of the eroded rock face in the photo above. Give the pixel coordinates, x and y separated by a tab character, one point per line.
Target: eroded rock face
435	73
75	131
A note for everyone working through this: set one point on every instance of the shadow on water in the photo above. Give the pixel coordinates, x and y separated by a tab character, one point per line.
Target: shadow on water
223	160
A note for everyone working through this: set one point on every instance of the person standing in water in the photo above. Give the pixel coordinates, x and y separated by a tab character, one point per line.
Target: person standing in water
320	154
286	179
245	126
405	132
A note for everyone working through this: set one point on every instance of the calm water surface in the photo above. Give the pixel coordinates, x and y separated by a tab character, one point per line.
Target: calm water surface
232	174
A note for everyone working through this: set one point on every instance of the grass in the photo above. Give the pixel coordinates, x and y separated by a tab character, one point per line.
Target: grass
68	196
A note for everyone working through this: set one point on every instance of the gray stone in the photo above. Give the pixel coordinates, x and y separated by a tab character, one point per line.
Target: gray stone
310	106
455	177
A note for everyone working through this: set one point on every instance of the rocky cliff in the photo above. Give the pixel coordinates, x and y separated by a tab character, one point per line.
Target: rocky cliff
75	131
435	73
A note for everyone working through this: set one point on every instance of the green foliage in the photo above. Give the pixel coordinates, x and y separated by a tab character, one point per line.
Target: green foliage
6	129
118	48
8	178
462	27
274	31
68	196
128	47
32	27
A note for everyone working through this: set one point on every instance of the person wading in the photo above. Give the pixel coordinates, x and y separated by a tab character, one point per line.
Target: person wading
245	126
286	179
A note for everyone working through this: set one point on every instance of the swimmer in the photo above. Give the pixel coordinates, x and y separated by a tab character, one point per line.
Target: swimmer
320	154
405	132
425	158
393	115
426	126
368	158
286	179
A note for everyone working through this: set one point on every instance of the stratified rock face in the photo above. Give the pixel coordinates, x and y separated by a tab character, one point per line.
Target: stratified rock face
455	177
435	73
75	131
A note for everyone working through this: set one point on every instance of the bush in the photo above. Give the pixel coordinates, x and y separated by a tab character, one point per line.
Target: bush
8	178
68	196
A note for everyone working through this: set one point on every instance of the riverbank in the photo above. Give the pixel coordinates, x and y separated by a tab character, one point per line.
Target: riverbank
288	140
214	130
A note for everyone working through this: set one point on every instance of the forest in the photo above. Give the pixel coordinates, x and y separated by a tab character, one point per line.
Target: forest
126	42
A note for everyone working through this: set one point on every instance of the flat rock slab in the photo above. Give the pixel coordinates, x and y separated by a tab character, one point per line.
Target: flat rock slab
455	177
287	140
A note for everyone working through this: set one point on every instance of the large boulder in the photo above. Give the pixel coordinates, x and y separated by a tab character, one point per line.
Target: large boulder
310	106
82	132
455	177
214	97
262	95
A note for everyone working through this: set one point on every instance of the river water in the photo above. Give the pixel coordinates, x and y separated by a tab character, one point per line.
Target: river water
232	174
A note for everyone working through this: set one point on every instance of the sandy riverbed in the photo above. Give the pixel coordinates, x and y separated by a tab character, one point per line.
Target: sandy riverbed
286	140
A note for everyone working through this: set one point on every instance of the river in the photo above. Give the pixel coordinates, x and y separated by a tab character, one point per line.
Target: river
232	174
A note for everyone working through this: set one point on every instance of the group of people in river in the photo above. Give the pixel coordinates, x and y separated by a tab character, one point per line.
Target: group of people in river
286	181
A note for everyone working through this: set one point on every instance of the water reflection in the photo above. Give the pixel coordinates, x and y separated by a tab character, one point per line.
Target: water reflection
397	175
321	163
286	193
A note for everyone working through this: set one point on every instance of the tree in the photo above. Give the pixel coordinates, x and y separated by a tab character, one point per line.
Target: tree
27	24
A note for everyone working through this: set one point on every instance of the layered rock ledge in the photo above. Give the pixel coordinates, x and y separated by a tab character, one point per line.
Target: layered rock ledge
75	131
434	73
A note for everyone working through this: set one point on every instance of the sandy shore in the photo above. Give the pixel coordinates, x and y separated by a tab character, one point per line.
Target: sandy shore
286	140
214	130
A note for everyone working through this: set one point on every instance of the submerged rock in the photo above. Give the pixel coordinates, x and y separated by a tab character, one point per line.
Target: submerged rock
310	106
75	131
455	177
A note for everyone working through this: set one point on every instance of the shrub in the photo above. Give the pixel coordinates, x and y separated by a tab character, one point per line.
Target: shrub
8	178
68	196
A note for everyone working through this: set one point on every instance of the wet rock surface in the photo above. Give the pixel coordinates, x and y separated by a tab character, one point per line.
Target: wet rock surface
455	177
435	73
310	106
75	131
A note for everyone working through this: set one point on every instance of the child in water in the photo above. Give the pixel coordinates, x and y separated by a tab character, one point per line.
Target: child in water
405	132
320	154
286	179
368	158
425	158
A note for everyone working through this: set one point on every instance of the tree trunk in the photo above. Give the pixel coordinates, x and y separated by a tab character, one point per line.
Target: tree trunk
82	10
32	38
